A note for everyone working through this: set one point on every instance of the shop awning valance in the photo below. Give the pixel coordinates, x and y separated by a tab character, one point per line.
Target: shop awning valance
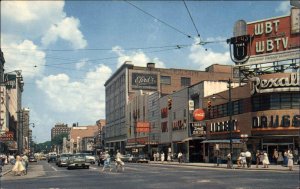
222	141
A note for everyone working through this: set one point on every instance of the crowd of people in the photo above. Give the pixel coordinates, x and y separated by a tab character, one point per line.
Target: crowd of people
19	162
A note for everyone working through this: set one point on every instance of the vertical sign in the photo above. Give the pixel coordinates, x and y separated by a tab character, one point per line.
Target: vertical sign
2	109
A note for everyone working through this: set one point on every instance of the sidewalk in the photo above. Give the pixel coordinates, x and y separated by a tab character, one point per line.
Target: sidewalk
6	169
224	166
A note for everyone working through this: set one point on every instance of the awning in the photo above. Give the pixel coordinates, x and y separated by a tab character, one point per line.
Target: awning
193	138
135	146
222	141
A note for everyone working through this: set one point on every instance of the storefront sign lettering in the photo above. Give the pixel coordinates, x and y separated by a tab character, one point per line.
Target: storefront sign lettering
223	126
275	121
291	83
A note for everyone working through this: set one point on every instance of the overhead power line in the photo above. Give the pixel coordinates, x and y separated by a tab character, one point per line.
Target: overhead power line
158	19
191	18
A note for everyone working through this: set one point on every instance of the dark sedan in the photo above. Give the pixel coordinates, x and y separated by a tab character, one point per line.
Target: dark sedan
32	159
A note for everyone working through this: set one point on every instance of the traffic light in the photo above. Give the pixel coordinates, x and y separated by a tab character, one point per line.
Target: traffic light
208	106
169	103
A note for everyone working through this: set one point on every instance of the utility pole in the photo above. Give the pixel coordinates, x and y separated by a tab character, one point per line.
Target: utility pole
230	119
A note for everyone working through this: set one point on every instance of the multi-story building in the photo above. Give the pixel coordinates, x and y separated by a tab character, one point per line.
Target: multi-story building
81	138
60	128
120	88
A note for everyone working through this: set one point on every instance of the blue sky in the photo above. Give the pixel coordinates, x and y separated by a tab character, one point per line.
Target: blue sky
67	50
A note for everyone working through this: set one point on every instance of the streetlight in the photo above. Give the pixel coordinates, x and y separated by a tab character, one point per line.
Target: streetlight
244	139
230	117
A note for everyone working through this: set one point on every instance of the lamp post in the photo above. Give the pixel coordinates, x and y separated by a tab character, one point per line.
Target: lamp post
244	139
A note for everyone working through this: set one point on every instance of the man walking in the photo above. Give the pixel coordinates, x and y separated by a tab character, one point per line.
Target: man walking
248	158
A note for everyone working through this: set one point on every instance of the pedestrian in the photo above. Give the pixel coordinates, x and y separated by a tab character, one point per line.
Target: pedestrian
257	155
296	156
285	158
275	156
119	162
280	158
157	156
169	157
162	156
25	160
18	168
248	158
179	157
266	161
229	164
290	160
154	157
106	159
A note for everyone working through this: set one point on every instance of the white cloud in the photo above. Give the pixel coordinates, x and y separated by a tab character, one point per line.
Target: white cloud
206	57
85	99
284	7
81	63
24	56
41	19
66	29
138	58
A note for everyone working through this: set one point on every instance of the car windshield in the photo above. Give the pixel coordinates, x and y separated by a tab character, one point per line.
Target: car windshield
79	155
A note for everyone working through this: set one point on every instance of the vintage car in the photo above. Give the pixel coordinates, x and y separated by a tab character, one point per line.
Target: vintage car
78	161
62	160
127	158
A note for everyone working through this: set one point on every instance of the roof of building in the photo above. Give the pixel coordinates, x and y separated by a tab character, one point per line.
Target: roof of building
83	131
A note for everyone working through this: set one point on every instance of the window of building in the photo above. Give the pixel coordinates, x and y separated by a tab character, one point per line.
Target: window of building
165	80
185	81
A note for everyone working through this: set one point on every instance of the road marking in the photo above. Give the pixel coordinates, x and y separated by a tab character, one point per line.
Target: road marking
53	168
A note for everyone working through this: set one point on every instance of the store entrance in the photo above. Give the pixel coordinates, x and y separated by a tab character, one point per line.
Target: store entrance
281	148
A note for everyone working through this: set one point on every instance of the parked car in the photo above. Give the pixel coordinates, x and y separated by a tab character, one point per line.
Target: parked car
78	161
142	159
32	159
62	160
127	158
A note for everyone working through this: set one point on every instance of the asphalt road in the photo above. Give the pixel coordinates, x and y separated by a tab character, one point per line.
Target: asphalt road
43	175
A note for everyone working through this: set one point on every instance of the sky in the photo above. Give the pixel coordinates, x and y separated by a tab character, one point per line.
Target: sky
68	49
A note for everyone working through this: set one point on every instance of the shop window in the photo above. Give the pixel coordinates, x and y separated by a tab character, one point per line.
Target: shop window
286	101
275	101
165	80
296	100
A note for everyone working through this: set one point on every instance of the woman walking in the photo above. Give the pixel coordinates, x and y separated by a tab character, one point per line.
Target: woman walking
18	168
266	161
290	160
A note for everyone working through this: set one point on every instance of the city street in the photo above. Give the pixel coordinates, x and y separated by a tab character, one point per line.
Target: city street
48	176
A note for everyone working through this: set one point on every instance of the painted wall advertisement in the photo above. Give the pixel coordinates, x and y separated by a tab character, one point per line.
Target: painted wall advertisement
144	81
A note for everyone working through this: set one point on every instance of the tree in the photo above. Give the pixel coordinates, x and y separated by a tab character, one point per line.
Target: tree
58	139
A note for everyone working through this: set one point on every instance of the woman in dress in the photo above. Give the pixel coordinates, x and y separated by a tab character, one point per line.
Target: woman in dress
266	161
18	168
290	160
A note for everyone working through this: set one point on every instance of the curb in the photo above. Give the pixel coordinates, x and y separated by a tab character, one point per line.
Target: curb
296	168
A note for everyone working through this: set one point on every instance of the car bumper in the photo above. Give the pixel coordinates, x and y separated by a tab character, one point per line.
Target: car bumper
79	164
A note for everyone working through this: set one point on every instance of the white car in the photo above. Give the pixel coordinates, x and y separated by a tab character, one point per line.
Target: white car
90	158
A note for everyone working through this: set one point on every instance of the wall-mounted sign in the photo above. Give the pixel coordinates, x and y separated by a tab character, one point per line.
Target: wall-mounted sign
3	108
198	128
7	136
199	115
272	40
275	121
289	83
222	126
10	81
143	127
179	125
191	105
143	81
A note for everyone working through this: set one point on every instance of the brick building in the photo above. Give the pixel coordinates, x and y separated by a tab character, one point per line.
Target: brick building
60	128
121	88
